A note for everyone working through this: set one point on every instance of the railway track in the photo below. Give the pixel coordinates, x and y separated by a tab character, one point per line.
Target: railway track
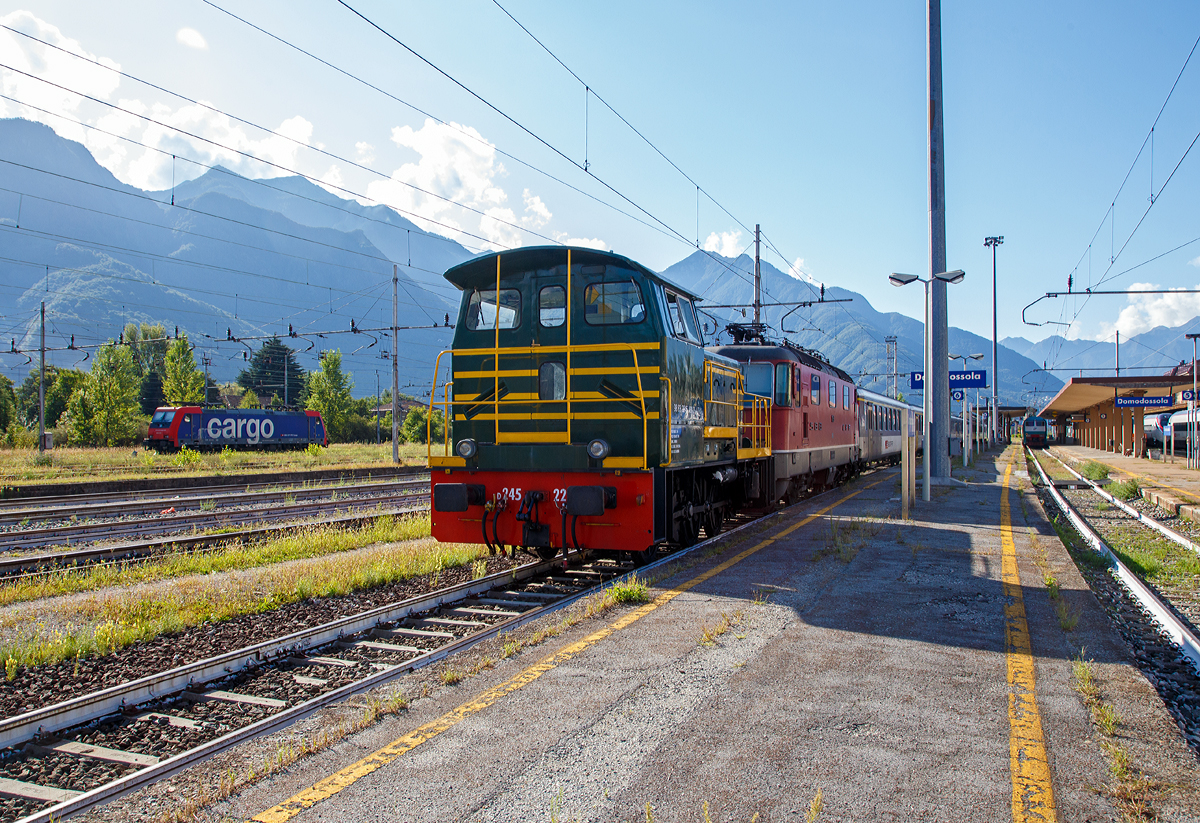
1156	617
228	511
84	750
47	562
83	506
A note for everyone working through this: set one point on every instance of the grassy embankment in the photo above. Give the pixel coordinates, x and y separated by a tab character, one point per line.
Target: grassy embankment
77	463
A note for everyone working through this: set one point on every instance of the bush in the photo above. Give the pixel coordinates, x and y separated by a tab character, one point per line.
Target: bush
1094	471
1128	490
186	457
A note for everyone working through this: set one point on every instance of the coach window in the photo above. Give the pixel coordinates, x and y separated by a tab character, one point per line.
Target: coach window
485	311
613	304
816	389
552	381
552	306
832	393
783	374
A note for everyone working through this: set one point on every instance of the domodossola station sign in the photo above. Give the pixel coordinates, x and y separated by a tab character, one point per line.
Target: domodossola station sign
1146	402
971	379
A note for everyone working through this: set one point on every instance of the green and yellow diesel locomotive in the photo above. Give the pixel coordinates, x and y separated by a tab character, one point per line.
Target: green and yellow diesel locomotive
582	411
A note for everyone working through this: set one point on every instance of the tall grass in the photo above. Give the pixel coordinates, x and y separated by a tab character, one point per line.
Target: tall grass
298	545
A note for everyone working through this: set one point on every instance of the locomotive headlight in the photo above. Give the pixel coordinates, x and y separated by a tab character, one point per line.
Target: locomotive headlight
597	449
466	448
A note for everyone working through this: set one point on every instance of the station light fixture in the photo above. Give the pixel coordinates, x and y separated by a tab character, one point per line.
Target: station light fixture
897	279
955	276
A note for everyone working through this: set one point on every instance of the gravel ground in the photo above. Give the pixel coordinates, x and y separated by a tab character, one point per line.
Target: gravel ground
1163	665
43	685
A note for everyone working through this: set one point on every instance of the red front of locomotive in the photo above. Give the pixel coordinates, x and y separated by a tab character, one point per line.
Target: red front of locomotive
545	511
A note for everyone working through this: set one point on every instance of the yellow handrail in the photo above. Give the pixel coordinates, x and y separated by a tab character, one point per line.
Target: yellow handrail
448	405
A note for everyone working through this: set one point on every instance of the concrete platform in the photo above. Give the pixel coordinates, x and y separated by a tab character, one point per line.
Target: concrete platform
1172	476
902	671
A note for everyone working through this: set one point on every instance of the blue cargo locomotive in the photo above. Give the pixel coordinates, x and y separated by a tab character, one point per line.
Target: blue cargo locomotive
205	429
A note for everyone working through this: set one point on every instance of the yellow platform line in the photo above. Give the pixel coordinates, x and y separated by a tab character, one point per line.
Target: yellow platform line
330	786
1033	794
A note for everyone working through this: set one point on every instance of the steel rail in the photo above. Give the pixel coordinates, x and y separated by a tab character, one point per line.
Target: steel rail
224	665
1158	611
189	492
59	535
1166	531
43	512
18	565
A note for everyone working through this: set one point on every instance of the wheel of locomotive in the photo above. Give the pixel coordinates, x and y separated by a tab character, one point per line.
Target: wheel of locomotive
546	552
644	558
714	517
688	527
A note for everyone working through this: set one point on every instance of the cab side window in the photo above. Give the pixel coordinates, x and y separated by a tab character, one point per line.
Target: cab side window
681	315
609	304
816	389
485	312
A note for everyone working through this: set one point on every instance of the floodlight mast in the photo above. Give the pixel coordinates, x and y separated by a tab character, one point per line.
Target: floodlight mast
937	378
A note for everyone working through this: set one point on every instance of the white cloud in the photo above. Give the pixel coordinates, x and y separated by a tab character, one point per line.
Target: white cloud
798	271
536	213
26	55
366	152
129	162
457	166
726	244
585	242
332	179
1144	312
191	38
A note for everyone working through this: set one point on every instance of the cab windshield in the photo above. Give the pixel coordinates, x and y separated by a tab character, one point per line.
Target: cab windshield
163	417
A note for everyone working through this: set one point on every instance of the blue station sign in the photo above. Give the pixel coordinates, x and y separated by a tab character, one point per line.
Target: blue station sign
1143	402
972	379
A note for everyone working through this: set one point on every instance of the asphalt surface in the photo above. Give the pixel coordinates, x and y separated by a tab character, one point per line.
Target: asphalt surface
846	655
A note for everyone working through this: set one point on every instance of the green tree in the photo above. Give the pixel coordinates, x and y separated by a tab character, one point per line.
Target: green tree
8	404
60	385
274	370
329	393
104	410
417	425
249	400
148	344
182	381
150	395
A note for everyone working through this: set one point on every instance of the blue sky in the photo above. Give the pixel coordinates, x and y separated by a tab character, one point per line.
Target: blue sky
808	118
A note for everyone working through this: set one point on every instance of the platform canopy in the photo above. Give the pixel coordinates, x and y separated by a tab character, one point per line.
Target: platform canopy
1081	393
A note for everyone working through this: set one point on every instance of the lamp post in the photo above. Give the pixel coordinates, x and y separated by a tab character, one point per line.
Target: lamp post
995	433
1191	406
897	279
966	432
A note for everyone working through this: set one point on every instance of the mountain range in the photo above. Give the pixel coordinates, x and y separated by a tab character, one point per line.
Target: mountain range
231	260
